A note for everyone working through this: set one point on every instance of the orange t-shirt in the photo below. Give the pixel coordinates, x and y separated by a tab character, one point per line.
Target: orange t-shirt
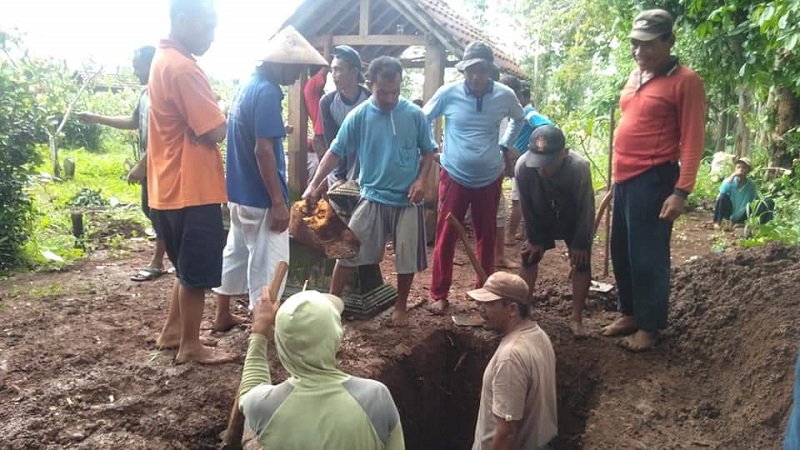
662	121
180	172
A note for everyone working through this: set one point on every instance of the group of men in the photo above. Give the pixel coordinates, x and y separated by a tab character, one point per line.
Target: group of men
375	136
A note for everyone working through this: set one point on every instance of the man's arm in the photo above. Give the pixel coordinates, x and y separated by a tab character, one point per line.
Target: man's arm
516	121
504	434
119	122
268	169
692	119
199	106
256	365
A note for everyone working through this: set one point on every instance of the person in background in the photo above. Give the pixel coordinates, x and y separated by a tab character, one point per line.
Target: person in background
392	138
555	186
336	105
257	190
185	178
312	94
736	194
142	58
518	396
473	160
657	151
533	120
318	406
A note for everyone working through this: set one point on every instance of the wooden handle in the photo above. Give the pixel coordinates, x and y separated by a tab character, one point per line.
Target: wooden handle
462	235
602	210
235	430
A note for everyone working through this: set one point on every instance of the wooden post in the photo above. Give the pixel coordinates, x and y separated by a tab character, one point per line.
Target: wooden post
298	119
363	25
607	255
435	60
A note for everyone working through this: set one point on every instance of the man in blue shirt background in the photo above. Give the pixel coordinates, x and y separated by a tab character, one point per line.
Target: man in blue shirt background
392	139
256	169
472	160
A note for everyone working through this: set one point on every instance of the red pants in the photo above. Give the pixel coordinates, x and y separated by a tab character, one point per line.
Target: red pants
455	198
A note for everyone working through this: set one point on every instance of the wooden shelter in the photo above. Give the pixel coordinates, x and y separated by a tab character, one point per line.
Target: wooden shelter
377	28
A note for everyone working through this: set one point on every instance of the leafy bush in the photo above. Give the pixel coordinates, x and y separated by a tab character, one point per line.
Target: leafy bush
20	128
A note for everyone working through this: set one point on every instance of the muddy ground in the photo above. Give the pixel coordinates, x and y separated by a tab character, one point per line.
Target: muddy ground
78	368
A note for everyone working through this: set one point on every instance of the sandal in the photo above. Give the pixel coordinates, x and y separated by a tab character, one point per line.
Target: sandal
147	274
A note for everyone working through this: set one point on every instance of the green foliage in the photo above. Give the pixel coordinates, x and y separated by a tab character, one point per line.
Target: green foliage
88	198
20	128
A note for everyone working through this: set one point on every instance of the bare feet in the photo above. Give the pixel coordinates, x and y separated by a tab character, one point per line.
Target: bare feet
578	330
623	326
642	341
505	263
172	342
440	306
399	318
203	355
223	324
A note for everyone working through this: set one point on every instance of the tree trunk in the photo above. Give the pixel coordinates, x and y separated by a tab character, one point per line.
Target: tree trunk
54	156
742	131
788	117
722	130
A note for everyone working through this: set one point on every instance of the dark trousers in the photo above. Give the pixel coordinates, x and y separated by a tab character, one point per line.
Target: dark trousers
723	210
640	246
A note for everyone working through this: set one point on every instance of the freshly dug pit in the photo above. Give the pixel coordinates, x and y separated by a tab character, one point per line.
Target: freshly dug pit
437	390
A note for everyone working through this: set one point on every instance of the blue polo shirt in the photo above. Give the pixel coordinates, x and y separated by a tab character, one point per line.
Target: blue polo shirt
255	113
471	154
533	120
389	146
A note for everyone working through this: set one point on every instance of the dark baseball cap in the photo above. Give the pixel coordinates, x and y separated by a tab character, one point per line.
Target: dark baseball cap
651	24
478	53
545	144
349	54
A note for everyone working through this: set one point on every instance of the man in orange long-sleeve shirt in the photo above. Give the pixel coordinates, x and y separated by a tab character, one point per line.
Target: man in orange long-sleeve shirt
656	156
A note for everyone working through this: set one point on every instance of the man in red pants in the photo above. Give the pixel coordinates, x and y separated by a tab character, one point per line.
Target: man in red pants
473	163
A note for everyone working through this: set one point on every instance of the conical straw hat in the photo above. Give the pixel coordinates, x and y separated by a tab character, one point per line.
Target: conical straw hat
290	47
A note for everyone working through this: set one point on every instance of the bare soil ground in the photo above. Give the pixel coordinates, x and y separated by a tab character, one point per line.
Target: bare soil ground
78	368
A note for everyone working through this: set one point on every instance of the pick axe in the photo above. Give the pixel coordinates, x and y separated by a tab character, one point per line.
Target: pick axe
462	236
233	434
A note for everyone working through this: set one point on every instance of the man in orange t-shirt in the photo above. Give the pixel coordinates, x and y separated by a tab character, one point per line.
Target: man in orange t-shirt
184	173
663	123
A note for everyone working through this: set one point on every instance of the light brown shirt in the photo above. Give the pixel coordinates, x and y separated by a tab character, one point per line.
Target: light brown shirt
519	384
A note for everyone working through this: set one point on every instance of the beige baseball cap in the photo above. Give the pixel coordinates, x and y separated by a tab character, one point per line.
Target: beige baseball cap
502	285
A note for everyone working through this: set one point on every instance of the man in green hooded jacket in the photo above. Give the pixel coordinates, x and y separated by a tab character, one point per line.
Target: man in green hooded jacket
319	406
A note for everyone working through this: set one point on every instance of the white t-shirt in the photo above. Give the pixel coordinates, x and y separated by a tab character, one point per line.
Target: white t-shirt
519	384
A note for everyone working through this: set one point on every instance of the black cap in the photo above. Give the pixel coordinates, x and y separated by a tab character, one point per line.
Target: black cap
546	143
651	24
478	53
349	54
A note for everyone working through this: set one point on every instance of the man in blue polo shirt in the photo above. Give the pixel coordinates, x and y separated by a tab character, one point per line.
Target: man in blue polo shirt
392	139
473	163
256	169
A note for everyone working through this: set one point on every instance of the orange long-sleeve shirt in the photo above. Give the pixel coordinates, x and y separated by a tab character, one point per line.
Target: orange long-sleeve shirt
663	120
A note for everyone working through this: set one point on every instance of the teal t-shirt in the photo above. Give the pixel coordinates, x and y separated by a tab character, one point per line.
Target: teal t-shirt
740	197
389	146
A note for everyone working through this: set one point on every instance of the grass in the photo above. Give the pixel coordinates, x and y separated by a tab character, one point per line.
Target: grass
52	245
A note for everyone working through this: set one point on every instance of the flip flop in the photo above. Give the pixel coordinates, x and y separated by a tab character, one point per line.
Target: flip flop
147	274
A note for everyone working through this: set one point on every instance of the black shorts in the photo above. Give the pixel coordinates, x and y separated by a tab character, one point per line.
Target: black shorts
194	240
548	242
146	207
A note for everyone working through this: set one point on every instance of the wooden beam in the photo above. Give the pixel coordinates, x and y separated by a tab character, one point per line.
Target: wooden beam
390	40
298	118
420	64
363	26
425	24
435	61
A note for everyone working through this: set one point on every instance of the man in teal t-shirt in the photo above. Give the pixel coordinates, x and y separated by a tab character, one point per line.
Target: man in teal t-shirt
393	142
736	194
319	406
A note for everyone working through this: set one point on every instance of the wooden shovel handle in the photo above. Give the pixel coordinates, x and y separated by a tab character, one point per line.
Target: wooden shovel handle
233	435
462	235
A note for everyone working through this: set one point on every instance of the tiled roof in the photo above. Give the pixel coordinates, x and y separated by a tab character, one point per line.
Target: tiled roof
341	17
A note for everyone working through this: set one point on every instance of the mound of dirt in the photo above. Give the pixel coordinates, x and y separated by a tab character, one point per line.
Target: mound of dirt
736	320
